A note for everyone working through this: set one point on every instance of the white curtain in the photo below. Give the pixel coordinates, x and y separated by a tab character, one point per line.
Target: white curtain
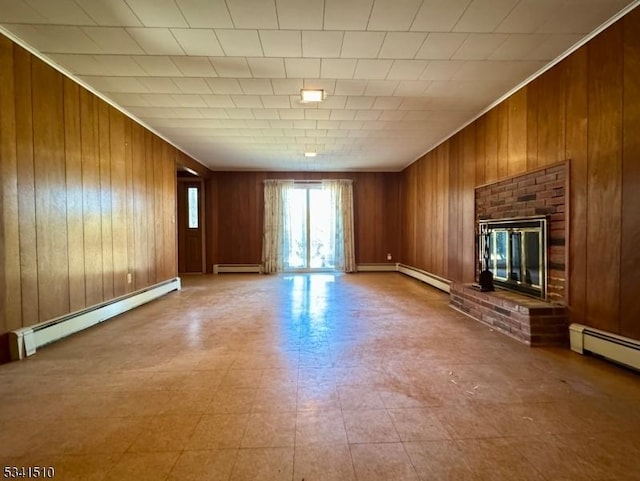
278	236
276	229
342	213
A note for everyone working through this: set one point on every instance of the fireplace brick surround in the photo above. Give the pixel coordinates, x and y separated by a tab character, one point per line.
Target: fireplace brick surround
532	321
529	320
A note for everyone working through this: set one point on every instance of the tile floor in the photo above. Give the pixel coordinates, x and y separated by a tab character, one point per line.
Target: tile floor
367	377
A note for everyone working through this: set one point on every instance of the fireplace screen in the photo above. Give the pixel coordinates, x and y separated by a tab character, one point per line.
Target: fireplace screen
514	250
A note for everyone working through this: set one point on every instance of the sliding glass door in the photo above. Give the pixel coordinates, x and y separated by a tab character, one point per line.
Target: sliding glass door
311	231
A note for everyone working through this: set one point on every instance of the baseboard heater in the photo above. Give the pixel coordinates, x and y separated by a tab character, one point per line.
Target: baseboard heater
238	268
25	341
377	267
426	277
622	350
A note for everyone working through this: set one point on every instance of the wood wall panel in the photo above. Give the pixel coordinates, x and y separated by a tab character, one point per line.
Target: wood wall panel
83	194
584	109
73	158
50	182
604	179
26	187
630	264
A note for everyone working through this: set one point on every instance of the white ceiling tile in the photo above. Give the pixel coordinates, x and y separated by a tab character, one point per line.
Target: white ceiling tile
337	68
418	115
240	43
479	46
159	100
329	86
579	16
372	69
194	66
158	13
218	101
393	115
156	41
411	88
62	12
115	84
441	46
376	88
275	101
113	13
157	65
329	124
266	114
304	124
206	13
56	39
78	64
350	87
528	16
321	44
121	65
239	114
247	101
552	46
198	42
406	69
300	14
253	14
393	14
333	102
367	114
484	15
351	125
286	86
401	44
351	15
439	15
386	103
441	69
188	100
259	124
12	11
517	46
256	86
302	67
292	114
361	44
316	114
359	103
113	40
159	85
231	67
277	43
267	67
192	85
129	100
224	86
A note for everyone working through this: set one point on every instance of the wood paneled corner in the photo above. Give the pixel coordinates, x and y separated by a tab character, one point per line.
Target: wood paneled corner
88	196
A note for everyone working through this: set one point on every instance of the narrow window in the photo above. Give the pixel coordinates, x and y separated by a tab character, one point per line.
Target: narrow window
192	200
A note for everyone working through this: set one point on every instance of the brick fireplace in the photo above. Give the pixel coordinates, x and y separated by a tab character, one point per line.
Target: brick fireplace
535	322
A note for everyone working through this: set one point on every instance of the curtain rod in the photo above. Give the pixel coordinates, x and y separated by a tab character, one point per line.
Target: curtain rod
309	181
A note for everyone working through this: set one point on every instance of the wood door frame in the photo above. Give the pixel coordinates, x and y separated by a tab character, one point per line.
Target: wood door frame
202	217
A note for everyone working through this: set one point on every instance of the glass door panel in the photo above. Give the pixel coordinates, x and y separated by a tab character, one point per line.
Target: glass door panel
297	248
320	231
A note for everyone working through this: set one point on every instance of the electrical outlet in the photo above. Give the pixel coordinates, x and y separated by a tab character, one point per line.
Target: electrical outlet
389	256
128	277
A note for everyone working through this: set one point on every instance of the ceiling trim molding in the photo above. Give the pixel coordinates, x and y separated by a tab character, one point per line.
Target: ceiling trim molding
531	78
88	87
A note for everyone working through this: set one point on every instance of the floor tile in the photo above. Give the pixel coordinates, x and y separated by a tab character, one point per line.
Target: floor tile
382	462
330	462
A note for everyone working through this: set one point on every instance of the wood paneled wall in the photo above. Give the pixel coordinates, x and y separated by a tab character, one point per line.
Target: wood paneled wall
235	208
585	109
87	194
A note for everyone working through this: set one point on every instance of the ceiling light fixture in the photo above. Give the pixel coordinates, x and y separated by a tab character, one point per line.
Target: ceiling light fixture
309	95
310	154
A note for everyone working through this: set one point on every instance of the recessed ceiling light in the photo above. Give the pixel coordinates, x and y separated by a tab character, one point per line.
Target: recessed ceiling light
307	95
310	154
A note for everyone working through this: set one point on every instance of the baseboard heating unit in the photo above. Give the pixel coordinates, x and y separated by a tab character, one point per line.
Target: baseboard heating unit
610	346
426	277
25	341
238	268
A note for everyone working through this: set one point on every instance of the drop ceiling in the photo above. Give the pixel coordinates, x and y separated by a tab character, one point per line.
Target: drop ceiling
221	80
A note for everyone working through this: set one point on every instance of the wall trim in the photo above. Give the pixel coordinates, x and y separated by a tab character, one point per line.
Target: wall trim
25	341
377	267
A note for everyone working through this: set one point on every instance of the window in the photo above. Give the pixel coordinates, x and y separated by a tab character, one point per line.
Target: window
192	207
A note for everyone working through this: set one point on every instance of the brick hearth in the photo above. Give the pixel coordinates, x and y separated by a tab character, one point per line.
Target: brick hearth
532	321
